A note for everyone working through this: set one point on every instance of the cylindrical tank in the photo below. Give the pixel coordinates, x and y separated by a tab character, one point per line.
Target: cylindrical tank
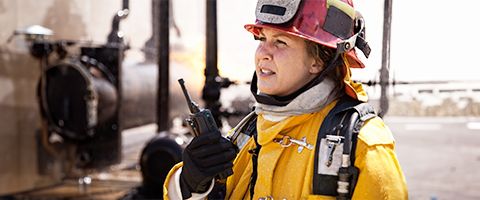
139	82
75	99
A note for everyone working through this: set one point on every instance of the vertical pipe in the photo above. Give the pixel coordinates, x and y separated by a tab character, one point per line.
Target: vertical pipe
162	44
211	69
125	5
211	90
385	70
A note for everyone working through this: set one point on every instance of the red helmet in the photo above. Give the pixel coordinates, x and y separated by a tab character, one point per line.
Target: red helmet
332	23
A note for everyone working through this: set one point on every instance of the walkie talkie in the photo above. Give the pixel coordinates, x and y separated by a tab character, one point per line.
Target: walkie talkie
200	120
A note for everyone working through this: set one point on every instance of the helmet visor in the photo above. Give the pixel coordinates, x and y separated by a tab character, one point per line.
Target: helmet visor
276	11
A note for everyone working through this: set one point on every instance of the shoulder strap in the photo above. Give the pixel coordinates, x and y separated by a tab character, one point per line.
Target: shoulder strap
343	122
244	130
250	129
254	152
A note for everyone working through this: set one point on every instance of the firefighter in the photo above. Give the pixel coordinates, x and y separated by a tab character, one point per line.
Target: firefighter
302	74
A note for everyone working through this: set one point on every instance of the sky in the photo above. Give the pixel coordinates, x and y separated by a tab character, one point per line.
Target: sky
430	40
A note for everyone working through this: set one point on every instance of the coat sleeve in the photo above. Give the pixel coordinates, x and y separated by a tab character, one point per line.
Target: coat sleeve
381	176
171	187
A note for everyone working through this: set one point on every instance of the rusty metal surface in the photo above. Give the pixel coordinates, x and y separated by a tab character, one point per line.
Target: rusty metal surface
71	189
111	184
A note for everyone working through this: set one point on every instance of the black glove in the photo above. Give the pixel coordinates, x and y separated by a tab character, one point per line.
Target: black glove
207	156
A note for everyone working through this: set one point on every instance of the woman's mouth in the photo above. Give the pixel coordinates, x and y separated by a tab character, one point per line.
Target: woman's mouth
266	72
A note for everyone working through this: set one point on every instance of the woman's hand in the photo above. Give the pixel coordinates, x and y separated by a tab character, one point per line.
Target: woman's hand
207	156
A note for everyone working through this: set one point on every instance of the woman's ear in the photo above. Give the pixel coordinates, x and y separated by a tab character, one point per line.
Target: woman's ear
316	66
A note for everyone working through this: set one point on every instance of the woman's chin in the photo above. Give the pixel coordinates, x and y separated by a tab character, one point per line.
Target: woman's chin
268	91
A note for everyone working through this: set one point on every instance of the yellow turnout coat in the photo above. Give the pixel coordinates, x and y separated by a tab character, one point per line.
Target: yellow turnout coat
284	173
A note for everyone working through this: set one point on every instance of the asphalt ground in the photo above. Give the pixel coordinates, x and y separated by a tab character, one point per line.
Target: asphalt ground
440	156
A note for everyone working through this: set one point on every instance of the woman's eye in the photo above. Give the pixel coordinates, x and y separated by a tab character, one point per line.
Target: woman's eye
260	38
280	42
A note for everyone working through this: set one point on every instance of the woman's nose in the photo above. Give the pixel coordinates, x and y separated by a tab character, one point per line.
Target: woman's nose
264	52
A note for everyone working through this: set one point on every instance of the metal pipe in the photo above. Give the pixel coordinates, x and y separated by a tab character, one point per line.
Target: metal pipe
125	5
115	37
140	95
211	89
162	37
385	70
211	69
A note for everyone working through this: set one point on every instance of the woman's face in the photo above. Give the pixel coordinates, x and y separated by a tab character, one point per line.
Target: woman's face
282	63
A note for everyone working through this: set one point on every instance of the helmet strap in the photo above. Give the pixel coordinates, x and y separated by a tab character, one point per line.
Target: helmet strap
284	100
356	40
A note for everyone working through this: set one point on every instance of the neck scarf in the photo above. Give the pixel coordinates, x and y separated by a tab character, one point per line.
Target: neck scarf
310	101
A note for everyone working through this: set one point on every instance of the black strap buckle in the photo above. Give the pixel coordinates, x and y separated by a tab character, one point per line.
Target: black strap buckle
357	39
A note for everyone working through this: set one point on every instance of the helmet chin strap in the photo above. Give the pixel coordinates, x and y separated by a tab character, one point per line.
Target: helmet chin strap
284	100
357	40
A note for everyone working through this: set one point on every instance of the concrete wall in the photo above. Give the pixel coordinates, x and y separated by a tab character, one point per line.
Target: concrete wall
19	72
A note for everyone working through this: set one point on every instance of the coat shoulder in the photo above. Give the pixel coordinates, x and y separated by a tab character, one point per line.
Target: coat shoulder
375	132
